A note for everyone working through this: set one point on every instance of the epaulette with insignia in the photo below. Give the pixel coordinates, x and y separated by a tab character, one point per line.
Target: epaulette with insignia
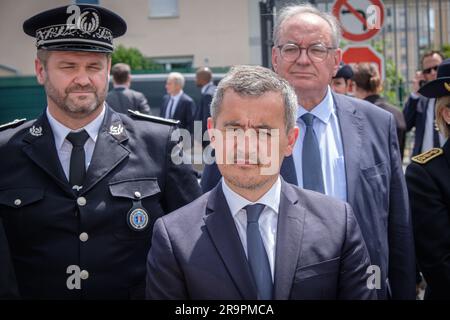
427	156
153	118
12	124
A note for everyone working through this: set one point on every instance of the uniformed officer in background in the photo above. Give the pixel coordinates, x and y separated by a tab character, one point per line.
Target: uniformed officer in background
82	185
428	179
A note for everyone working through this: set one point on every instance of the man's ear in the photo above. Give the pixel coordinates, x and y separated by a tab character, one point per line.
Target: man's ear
274	59
292	138
337	60
39	68
210	127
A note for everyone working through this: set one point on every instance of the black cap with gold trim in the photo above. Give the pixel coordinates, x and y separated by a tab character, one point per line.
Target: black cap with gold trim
76	28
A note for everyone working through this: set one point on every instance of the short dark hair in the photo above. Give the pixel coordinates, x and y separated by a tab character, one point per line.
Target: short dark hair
121	73
430	53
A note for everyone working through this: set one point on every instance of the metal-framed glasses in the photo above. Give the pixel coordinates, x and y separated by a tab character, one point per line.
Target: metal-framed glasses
316	52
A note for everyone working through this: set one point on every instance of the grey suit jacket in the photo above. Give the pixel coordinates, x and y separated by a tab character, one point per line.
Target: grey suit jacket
196	251
122	99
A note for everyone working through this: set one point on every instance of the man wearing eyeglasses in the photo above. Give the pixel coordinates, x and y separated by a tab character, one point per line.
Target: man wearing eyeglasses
419	110
347	148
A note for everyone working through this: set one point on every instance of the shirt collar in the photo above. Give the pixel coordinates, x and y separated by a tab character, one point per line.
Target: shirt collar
236	202
323	110
60	131
177	96
205	87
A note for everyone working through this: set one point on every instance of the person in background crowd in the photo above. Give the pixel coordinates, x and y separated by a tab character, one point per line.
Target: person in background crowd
178	105
121	98
342	81
203	79
367	85
419	110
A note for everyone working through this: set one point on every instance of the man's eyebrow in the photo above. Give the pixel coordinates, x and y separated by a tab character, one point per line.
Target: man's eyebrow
232	123
263	126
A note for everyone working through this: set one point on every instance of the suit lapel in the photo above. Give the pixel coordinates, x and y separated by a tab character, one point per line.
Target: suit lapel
224	235
109	150
178	114
288	170
41	149
351	132
291	220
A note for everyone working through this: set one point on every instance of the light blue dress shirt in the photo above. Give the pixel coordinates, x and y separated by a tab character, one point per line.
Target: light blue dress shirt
268	221
328	133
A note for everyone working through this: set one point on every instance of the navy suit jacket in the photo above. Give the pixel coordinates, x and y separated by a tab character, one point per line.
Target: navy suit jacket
415	113
203	111
196	251
184	111
376	190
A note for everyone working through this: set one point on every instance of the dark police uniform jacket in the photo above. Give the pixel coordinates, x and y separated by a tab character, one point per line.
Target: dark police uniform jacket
55	232
428	178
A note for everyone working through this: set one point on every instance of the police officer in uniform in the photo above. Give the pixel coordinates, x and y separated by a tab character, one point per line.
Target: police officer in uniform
428	179
82	185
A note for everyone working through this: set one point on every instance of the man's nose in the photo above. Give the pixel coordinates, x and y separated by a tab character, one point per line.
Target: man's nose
303	57
82	78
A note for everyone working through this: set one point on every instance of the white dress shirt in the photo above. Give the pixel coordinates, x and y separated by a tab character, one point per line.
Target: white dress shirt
206	86
268	220
327	130
64	147
175	99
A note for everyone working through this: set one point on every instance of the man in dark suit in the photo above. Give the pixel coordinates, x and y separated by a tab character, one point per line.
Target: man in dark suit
121	98
347	148
203	79
178	105
254	236
419	110
82	185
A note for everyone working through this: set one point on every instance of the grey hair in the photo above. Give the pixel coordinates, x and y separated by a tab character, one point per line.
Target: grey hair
254	81
293	10
177	77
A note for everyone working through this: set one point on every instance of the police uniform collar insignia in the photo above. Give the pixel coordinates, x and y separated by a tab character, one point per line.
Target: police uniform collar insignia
137	219
116	129
36	131
427	156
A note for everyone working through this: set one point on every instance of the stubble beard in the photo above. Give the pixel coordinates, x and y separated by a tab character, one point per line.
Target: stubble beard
75	107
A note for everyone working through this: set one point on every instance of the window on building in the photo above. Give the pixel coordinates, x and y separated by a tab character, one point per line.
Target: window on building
163	8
